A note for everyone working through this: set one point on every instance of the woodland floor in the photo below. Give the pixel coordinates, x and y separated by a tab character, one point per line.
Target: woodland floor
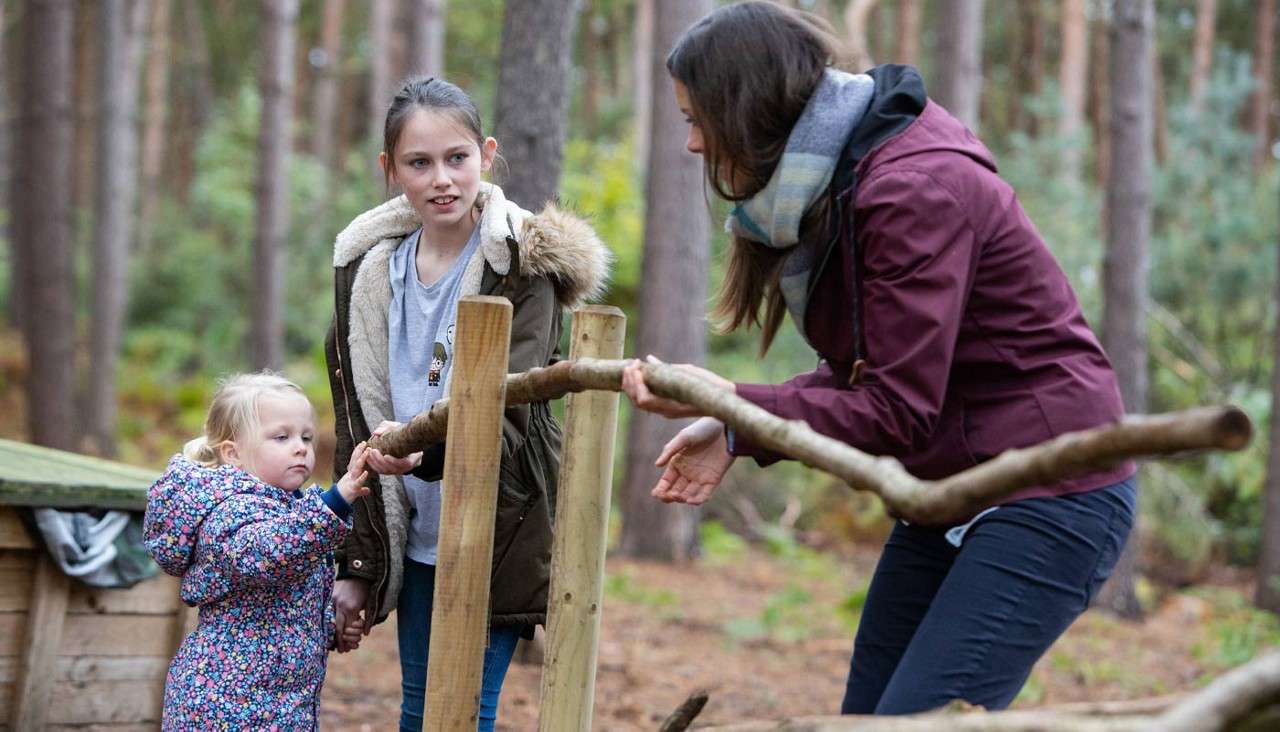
769	636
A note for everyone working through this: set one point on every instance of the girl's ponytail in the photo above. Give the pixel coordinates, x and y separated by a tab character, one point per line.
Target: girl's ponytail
199	451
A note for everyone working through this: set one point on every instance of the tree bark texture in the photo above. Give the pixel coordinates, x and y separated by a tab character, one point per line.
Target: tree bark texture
957	76
41	210
1100	102
381	15
155	116
1202	52
855	23
1073	72
533	96
327	64
1268	593
674	272
928	502
1029	65
1263	52
120	33
1126	263
908	36
271	225
426	37
642	79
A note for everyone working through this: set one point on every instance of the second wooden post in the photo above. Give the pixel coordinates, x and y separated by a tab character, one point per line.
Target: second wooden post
581	530
469	493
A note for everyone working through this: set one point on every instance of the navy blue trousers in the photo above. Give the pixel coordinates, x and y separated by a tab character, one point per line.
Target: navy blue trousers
943	623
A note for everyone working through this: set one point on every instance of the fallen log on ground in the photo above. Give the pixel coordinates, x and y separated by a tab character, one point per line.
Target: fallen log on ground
938	502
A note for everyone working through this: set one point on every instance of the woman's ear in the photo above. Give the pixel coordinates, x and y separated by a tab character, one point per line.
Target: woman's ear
488	150
383	162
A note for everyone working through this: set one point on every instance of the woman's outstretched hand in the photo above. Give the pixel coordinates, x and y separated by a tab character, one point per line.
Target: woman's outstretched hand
696	460
635	388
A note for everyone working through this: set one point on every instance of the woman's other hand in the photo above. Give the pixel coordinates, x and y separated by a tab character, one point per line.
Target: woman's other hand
635	388
349	599
386	464
696	460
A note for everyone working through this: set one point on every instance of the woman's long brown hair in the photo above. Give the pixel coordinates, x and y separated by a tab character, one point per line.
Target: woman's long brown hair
749	69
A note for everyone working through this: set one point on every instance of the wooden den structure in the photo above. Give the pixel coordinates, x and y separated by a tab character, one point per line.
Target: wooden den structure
74	657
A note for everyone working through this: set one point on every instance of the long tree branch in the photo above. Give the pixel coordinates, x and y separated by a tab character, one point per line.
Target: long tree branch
928	502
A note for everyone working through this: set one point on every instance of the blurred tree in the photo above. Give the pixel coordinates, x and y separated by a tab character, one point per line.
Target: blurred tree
533	91
957	73
1029	65
121	26
1268	594
426	37
642	83
327	61
155	113
381	13
1263	61
671	319
271	230
908	48
856	14
1202	52
1100	100
1073	71
1125	266
40	205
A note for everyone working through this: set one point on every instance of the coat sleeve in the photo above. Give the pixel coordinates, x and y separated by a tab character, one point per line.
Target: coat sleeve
251	542
920	255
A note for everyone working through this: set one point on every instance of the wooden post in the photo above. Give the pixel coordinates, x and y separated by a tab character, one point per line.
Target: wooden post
581	529
41	642
469	495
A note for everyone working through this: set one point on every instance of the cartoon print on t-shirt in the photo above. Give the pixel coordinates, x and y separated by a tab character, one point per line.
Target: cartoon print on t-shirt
438	358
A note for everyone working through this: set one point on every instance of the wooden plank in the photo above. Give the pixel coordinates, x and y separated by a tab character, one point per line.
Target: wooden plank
40	644
105	701
81	669
582	528
469	494
31	475
156	596
17	570
13	534
117	635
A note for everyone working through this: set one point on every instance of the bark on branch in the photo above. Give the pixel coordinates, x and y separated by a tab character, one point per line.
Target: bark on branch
940	502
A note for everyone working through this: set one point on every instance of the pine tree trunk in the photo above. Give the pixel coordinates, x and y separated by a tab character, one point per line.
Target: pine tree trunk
41	210
120	32
426	37
1029	66
381	14
957	75
200	66
1100	103
1124	273
533	95
324	110
155	115
856	14
85	99
642	81
674	274
589	115
272	189
1072	75
1268	594
1202	52
908	49
1260	117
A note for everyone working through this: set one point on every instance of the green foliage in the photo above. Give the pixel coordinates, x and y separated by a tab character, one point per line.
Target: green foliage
787	618
719	545
625	587
1238	631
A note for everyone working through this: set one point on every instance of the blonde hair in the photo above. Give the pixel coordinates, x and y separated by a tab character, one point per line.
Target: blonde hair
233	413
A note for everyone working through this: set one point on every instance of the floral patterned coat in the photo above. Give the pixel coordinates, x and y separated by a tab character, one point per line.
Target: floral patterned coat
256	559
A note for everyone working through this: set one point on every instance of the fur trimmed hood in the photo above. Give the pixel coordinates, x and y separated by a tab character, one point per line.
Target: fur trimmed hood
554	244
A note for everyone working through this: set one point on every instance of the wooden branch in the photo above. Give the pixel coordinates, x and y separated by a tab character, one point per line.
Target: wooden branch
683	716
1023	720
928	502
1231	698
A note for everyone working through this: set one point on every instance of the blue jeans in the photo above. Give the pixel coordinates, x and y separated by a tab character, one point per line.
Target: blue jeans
413	628
943	623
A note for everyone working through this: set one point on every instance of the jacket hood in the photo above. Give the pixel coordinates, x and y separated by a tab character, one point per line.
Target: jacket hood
901	106
179	502
554	243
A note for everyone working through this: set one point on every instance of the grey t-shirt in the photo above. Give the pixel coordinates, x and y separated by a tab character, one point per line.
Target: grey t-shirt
420	353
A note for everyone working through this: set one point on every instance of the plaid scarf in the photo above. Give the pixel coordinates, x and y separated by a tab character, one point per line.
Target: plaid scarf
772	216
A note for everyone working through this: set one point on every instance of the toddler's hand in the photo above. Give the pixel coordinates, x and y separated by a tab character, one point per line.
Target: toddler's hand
352	486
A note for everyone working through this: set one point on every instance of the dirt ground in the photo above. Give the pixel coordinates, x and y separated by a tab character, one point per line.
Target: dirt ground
768	638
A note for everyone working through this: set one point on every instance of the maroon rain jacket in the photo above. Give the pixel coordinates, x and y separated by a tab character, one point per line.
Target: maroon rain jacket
972	338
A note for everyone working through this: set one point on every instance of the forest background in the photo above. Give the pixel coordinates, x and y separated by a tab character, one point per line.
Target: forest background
175	172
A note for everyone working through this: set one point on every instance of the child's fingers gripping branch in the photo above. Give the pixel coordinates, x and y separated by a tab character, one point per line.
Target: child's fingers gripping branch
352	486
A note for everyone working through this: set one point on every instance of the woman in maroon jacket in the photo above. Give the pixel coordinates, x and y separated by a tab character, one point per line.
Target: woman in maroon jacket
945	331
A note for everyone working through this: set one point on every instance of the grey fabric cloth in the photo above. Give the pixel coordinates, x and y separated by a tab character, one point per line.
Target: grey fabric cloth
101	551
420	353
772	217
